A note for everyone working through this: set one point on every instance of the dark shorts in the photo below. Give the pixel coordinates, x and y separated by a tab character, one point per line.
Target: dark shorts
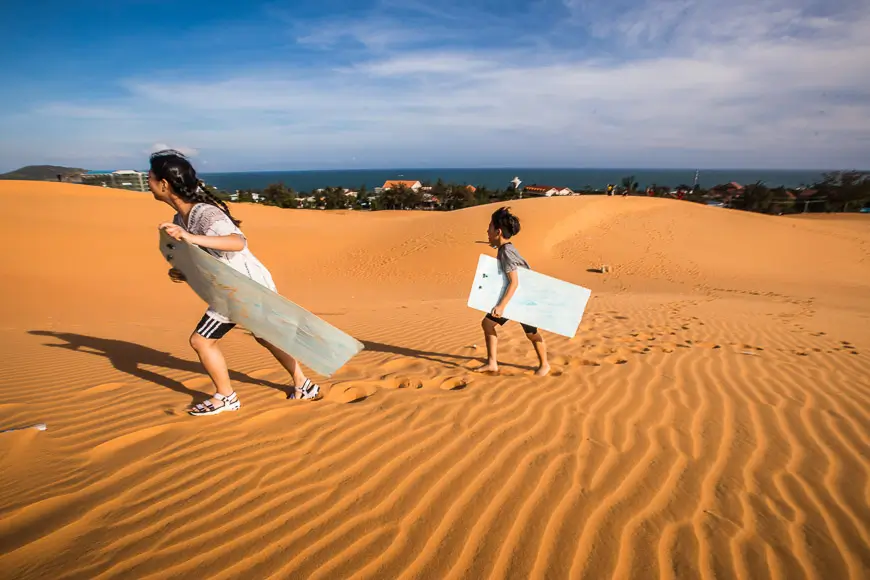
213	328
500	321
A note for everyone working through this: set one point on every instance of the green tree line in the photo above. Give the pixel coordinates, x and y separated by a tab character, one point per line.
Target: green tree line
836	192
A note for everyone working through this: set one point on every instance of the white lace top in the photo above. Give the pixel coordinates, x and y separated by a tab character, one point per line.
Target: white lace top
209	220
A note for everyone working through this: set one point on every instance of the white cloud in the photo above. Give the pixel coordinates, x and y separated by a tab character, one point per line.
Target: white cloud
750	84
187	151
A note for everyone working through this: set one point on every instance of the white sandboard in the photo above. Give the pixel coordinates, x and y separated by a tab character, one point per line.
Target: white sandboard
268	315
542	301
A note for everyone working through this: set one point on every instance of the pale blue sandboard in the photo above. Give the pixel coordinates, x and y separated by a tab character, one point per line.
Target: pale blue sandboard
542	301
268	315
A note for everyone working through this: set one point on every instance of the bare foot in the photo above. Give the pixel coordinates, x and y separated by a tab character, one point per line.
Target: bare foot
543	371
487	368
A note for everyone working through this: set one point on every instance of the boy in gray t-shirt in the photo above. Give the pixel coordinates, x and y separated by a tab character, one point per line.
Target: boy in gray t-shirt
503	226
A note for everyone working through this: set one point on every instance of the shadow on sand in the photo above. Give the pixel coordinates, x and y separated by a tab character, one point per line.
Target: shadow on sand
129	357
450	360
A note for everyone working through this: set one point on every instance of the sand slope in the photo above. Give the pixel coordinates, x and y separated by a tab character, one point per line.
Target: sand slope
710	417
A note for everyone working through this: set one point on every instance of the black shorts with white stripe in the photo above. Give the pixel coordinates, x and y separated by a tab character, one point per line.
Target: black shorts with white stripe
213	328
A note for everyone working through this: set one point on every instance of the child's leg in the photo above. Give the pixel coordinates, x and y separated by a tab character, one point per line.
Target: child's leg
213	360
288	362
204	341
537	340
490	335
303	388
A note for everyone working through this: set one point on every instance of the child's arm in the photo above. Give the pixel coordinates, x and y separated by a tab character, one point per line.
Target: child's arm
513	284
230	243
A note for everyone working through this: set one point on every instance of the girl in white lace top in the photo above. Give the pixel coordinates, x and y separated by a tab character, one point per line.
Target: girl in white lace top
204	220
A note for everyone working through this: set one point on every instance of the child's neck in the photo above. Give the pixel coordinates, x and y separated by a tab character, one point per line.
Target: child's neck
182	207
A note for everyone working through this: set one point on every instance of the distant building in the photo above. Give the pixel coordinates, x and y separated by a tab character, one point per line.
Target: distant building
415	185
255	197
121	179
430	201
546	190
727	191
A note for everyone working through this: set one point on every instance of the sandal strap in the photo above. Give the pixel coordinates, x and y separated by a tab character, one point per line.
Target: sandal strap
303	390
207	405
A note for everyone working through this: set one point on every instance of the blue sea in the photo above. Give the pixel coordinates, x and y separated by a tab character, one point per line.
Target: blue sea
501	178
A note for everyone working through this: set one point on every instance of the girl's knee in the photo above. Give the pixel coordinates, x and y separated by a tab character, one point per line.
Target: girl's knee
488	326
199	343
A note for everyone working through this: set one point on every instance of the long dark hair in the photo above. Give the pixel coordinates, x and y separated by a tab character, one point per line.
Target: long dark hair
174	167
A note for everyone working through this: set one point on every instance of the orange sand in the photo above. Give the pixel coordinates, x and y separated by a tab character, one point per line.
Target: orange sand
711	416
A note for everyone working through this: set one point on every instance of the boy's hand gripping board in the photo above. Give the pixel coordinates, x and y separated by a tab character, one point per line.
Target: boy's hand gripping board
268	315
540	300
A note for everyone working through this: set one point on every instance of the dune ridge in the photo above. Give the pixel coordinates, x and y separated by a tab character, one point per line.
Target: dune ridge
710	418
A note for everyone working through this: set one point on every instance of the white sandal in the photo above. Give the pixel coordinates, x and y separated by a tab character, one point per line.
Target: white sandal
230	403
308	390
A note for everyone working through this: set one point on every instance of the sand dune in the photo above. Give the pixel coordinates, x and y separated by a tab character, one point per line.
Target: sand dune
709	419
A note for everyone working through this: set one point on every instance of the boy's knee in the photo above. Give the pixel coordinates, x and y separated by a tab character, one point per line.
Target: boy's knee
535	337
488	326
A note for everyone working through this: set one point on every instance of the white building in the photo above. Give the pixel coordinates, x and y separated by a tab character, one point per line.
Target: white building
254	196
546	190
415	185
120	179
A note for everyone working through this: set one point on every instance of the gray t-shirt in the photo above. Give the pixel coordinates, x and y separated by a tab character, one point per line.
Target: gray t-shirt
510	259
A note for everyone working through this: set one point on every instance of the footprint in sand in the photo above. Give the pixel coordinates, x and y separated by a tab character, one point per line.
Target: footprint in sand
401	383
455	384
615	360
351	394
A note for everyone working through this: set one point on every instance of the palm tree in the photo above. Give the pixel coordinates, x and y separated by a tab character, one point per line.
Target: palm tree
629	184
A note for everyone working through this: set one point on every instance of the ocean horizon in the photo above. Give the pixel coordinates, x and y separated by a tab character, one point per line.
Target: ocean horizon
500	178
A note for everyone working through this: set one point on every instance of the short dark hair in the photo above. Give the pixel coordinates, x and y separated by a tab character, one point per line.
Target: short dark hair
504	220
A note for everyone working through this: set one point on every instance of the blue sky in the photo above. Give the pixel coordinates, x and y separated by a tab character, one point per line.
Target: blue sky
405	83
